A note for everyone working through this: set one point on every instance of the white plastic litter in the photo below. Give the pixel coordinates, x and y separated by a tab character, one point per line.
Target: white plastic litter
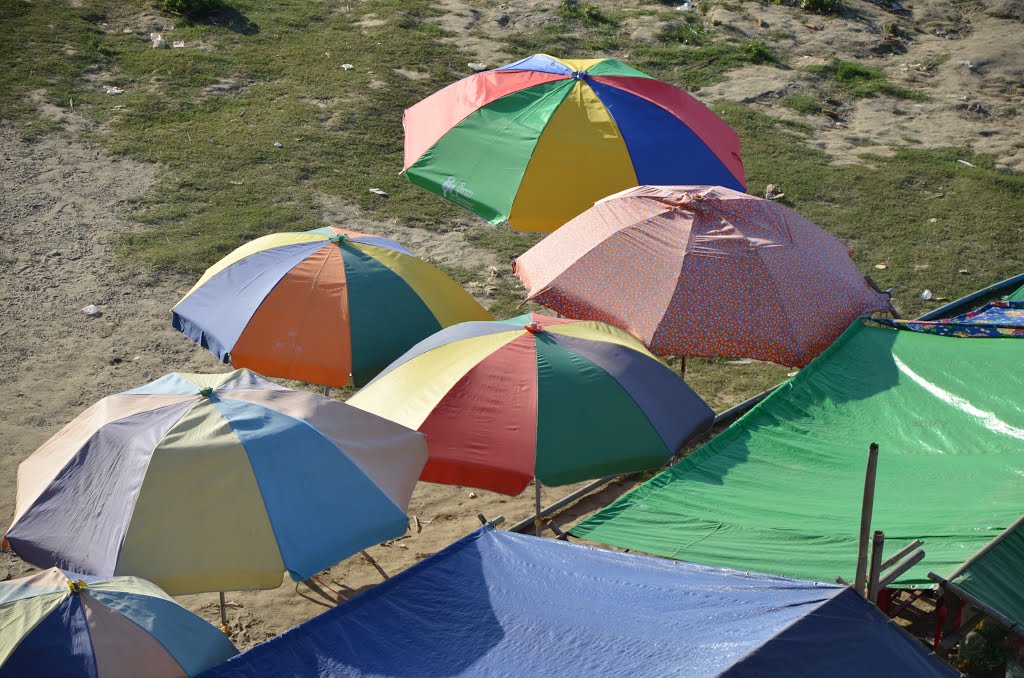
278	144
178	44
377	191
347	67
158	41
478	67
926	295
92	310
964	162
115	90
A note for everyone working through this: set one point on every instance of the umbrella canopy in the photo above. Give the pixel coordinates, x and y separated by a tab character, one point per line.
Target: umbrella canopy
536	142
57	624
505	401
702	271
318	305
211	482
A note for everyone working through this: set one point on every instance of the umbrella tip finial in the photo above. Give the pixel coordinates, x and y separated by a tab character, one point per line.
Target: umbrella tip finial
534	327
339	237
206	392
77	586
579	75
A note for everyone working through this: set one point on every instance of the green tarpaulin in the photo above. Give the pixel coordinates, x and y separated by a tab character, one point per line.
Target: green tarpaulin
780	490
994	576
1018	295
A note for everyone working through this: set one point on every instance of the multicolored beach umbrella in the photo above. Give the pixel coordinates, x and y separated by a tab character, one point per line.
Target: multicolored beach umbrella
319	305
505	401
214	482
61	625
702	271
538	141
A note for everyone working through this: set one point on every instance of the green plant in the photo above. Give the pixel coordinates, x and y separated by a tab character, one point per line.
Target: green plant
189	7
804	104
687	33
862	81
758	53
585	13
816	6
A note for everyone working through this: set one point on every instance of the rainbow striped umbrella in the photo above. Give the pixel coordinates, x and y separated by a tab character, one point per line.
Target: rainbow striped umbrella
319	305
505	401
538	141
57	624
214	482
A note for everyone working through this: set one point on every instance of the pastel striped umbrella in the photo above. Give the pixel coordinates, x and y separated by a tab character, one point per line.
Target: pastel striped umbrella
536	142
702	271
60	625
319	305
505	401
214	482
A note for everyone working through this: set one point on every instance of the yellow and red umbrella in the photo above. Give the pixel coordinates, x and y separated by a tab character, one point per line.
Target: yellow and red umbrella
319	305
558	400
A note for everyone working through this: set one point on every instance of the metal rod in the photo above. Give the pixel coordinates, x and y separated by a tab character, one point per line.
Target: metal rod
223	615
877	544
952	307
327	391
860	579
964	595
901	567
537	522
682	366
376	565
889	562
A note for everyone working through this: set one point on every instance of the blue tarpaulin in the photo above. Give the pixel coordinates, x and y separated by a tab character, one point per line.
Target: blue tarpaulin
502	604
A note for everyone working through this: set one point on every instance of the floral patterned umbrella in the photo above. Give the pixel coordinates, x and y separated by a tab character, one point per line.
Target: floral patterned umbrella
702	271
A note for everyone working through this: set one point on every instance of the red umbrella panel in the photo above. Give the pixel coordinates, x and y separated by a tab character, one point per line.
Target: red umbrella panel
559	400
702	271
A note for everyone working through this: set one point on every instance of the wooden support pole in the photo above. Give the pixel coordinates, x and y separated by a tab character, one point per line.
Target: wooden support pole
376	565
860	579
327	391
223	615
874	574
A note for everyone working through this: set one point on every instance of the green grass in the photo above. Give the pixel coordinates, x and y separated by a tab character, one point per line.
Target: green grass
686	51
862	81
804	104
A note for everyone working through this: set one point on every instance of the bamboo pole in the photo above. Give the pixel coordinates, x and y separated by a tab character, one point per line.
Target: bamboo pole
895	558
874	574
327	391
860	579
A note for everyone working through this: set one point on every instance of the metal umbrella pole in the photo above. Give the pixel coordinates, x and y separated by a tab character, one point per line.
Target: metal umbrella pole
536	506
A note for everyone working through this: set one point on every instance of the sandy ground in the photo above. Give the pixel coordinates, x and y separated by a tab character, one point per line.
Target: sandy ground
60	206
61	203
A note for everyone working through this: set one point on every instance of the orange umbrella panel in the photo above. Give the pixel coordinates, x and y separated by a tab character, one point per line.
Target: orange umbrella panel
320	305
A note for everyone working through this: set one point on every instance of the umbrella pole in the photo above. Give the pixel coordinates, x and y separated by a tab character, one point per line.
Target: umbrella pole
536	504
327	391
682	366
223	615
